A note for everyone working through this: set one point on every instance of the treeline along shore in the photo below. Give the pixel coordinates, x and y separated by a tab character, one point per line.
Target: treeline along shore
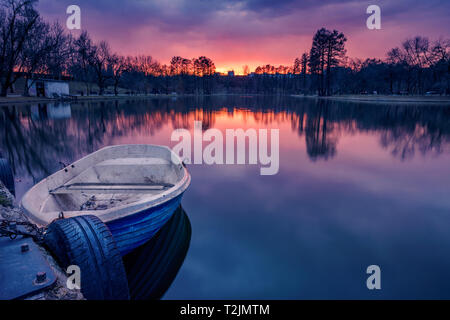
32	49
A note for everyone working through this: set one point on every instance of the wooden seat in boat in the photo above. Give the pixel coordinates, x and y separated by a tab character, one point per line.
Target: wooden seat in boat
110	188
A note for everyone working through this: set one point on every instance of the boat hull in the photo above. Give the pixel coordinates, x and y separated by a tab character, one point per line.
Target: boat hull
134	230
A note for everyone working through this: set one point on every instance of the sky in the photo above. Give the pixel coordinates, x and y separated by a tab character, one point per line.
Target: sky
234	33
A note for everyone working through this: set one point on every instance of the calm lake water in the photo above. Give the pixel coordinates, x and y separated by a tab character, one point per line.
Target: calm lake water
358	184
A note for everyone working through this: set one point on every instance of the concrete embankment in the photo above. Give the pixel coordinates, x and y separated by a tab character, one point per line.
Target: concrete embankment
11	212
15	100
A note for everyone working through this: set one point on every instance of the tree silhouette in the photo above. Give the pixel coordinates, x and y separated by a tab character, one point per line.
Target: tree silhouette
17	20
327	51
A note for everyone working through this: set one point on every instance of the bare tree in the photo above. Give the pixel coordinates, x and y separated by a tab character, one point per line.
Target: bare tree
418	56
119	66
101	61
17	19
45	52
33	56
441	64
176	65
204	66
83	52
58	57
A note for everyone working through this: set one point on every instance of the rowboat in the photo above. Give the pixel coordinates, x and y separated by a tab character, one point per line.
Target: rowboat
134	189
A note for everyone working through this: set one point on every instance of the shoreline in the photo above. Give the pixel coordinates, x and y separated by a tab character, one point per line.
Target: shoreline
22	100
13	100
11	211
445	100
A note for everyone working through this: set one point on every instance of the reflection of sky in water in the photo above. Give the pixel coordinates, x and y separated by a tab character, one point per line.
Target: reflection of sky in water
312	230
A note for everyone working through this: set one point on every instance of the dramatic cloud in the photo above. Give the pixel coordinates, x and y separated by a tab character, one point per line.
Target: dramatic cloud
235	32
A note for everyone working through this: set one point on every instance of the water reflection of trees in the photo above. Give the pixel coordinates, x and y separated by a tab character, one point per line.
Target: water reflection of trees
38	141
320	134
403	129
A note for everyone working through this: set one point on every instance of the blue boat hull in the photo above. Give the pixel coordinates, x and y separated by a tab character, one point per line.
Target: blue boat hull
132	231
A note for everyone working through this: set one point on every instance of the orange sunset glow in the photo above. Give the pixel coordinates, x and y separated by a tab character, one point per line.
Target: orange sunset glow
238	33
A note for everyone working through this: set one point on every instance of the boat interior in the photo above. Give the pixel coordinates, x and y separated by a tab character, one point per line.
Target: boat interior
113	182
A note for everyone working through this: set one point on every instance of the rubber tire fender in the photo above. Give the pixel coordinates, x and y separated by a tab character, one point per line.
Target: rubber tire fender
86	241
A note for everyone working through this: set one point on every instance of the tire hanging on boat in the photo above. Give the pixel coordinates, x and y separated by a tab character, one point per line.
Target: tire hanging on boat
152	267
7	176
86	241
